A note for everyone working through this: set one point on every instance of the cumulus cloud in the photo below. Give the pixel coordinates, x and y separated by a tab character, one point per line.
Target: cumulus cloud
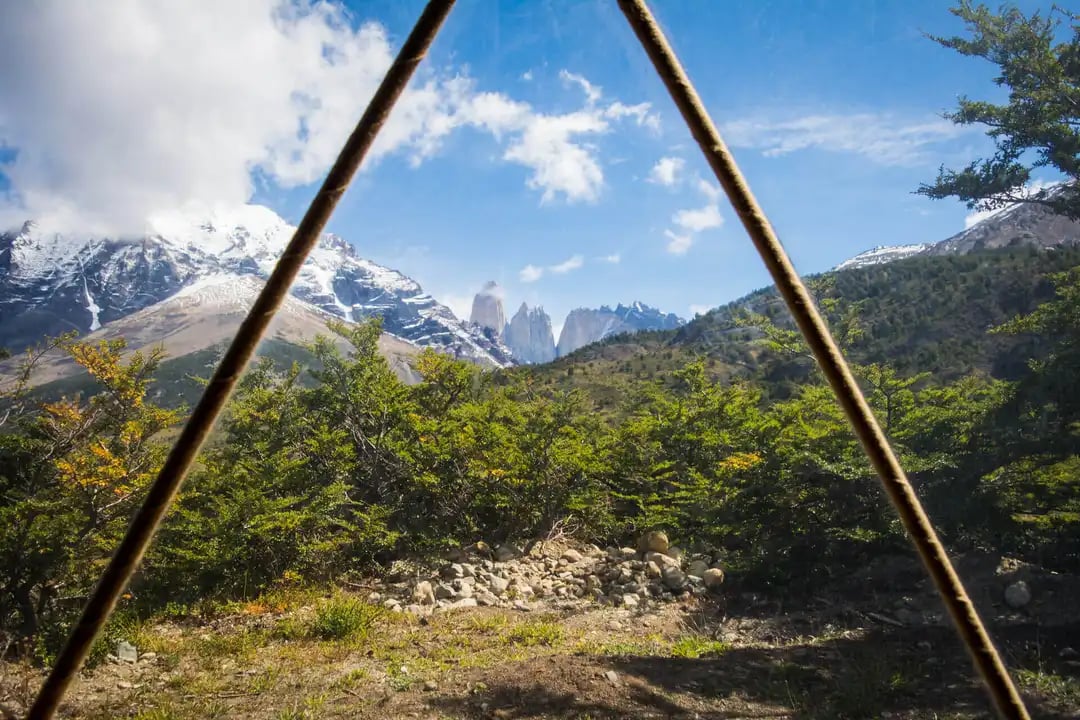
882	138
708	189
698	219
678	243
613	259
117	111
666	171
531	273
691	221
571	263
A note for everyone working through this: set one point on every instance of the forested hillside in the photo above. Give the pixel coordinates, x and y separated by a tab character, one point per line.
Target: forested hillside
922	314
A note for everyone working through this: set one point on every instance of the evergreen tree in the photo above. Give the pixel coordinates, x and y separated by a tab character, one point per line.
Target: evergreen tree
1039	126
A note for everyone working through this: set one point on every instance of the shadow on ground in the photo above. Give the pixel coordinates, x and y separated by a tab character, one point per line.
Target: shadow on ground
896	673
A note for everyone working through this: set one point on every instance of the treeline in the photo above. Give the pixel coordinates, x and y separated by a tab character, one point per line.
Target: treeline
340	468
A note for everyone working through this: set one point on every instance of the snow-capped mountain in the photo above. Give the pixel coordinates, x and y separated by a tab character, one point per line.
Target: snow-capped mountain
882	254
1029	224
586	325
51	283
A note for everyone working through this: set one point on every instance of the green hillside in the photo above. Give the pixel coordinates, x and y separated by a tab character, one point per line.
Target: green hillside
919	314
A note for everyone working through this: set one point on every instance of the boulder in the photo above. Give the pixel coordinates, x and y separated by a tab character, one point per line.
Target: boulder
714	578
423	594
652	570
673	577
507	552
697	568
630	600
443	592
126	652
653	541
497	584
453	571
661	560
572	556
1017	595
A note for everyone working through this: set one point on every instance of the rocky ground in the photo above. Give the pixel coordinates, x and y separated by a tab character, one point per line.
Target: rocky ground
582	632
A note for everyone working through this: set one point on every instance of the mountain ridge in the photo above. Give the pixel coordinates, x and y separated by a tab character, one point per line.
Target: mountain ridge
51	283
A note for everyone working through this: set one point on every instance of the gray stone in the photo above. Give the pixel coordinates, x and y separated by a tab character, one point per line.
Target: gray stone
653	541
661	559
431	685
572	556
522	605
612	677
697	568
469	570
126	652
498	585
453	571
1017	595
465	590
627	553
652	570
675	552
443	592
630	600
507	552
464	603
674	578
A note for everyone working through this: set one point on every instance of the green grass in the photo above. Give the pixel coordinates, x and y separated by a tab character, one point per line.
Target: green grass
536	632
695	646
344	618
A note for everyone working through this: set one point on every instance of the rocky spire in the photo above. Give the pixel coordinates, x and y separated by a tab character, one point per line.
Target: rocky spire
487	308
529	336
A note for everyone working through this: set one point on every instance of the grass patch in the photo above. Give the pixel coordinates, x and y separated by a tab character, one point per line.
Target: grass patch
535	632
344	618
695	646
1060	689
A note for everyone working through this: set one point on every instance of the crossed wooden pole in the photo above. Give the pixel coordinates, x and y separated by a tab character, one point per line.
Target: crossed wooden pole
162	492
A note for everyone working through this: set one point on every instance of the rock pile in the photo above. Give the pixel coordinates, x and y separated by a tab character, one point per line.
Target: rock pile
477	576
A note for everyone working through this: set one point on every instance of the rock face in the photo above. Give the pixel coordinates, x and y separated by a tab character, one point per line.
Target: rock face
52	283
487	308
584	326
529	335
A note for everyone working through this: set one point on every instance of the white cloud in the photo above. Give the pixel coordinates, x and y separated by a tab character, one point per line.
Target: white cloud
531	273
678	244
592	92
708	189
666	171
571	263
122	110
527	76
700	309
881	138
459	304
692	221
699	219
1033	188
613	259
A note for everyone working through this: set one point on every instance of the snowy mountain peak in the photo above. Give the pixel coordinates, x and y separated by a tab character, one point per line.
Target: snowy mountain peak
882	254
51	283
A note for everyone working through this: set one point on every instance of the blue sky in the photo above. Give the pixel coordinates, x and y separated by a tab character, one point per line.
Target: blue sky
571	180
464	216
